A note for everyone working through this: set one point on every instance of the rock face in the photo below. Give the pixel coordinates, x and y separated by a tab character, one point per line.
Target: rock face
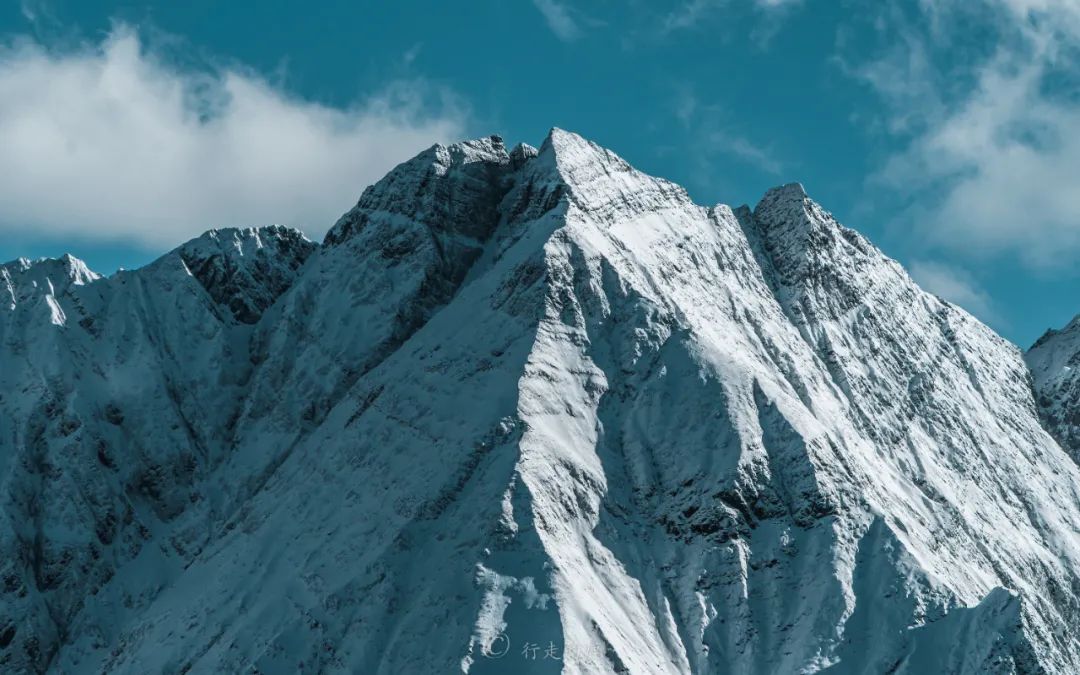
246	270
525	411
1055	366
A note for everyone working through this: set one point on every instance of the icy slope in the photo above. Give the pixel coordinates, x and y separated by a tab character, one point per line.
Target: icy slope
1055	365
523	405
114	394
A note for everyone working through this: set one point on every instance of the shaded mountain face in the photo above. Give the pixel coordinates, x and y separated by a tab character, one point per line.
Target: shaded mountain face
525	411
244	271
1055	367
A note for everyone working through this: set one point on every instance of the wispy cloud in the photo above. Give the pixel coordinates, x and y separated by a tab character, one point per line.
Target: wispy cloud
121	143
692	13
686	106
745	150
559	19
992	137
689	14
38	13
411	54
28	10
956	285
710	137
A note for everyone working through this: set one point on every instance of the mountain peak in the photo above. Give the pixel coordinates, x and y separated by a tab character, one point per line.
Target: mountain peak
561	139
572	152
528	395
242	241
66	266
521	154
787	207
245	269
442	186
24	278
785	192
802	240
1072	326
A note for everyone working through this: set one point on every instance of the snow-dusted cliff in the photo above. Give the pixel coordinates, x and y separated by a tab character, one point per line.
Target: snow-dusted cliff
1055	366
526	411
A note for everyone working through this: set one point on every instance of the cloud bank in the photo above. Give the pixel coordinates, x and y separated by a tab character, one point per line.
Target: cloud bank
114	141
992	149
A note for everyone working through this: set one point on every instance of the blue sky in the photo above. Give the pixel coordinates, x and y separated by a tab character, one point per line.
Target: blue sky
946	131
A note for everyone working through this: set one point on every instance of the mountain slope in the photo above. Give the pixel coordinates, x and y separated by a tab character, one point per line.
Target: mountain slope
535	404
1055	366
115	395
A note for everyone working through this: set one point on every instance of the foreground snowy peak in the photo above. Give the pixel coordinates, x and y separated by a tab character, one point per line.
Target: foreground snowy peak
1055	366
546	404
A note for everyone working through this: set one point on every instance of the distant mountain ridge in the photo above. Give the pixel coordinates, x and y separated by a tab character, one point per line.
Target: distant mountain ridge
1055	366
530	410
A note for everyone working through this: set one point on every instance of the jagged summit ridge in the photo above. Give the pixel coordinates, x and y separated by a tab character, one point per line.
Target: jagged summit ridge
247	269
40	282
31	274
71	266
446	187
533	396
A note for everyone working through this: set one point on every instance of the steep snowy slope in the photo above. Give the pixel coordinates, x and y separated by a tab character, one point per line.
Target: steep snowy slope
530	411
385	268
1055	365
114	396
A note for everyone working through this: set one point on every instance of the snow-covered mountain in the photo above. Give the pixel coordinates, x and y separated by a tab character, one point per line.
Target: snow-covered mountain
525	411
1055	365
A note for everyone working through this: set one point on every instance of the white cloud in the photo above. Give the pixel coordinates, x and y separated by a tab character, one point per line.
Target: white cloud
688	14
704	123
112	141
559	19
29	11
686	106
746	150
992	168
411	54
1010	159
692	12
955	285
